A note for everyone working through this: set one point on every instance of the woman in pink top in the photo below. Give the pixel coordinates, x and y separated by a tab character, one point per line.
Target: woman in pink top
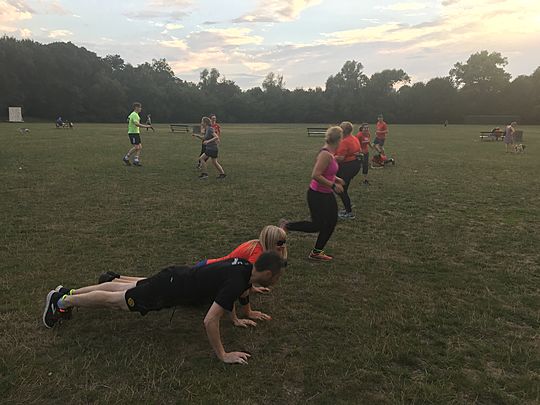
320	196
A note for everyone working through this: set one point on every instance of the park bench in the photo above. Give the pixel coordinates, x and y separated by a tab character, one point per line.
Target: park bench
179	127
316	131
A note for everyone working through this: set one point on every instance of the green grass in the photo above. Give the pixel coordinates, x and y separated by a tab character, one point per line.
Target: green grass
433	296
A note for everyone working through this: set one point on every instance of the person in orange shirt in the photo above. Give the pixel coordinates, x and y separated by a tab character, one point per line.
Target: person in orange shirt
271	238
215	125
364	136
380	135
349	166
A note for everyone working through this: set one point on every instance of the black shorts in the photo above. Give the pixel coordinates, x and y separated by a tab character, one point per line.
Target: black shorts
211	153
135	139
162	290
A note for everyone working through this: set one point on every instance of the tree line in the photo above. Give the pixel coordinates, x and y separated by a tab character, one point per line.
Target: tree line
60	78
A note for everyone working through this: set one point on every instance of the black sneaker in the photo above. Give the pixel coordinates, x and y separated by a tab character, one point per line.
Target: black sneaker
107	277
62	290
221	176
125	159
51	313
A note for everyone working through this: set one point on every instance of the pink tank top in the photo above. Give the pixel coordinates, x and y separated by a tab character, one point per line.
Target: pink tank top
329	174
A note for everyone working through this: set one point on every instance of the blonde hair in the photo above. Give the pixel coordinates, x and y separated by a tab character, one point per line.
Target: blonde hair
347	127
268	239
333	135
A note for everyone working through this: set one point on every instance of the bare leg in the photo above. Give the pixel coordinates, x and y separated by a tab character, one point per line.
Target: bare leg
138	151
203	159
110	287
97	299
131	151
217	166
128	279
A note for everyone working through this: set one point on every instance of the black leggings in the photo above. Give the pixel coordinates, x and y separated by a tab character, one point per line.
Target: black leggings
347	171
323	210
365	164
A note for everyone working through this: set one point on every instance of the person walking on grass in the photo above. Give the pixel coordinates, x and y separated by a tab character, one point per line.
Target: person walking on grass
349	166
320	197
149	123
220	283
364	137
210	143
509	134
134	133
380	134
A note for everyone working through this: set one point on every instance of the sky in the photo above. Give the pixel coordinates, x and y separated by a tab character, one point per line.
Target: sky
304	40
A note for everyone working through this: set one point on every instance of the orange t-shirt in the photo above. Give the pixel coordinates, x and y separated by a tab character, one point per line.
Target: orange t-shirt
382	129
245	251
217	129
349	148
365	140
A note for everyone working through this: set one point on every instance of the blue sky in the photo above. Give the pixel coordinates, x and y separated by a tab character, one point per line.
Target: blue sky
304	40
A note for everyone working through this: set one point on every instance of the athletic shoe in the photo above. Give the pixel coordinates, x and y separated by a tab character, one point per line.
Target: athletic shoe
203	176
366	182
283	224
221	176
51	311
347	215
63	291
320	256
137	163
125	159
107	277
341	212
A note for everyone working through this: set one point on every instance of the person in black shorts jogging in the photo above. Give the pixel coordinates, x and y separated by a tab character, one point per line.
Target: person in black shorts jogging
221	283
134	133
210	143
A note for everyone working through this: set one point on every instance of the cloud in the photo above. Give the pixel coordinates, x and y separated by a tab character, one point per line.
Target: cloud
59	34
12	12
25	33
461	24
172	26
277	11
405	6
170	10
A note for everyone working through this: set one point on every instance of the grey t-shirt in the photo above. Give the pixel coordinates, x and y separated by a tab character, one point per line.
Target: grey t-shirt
212	146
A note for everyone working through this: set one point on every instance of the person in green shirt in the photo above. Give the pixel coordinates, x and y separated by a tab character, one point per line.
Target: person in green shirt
134	133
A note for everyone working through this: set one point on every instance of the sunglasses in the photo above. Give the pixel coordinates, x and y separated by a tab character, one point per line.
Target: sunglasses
281	242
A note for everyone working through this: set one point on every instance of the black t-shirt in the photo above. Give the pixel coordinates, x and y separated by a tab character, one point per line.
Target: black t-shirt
223	282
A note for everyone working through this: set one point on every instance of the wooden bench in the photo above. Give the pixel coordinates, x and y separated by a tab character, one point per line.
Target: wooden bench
316	131
180	127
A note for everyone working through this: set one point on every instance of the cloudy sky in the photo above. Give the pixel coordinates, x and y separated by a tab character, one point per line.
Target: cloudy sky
305	40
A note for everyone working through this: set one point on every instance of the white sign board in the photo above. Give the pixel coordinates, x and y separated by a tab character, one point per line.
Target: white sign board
15	114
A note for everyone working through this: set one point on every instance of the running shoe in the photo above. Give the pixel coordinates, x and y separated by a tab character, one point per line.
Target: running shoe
203	176
347	215
366	182
125	159
319	256
221	176
107	277
51	313
63	291
137	163
342	212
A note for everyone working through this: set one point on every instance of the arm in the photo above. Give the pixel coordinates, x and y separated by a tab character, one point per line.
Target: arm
198	136
323	160
211	324
214	139
138	124
246	308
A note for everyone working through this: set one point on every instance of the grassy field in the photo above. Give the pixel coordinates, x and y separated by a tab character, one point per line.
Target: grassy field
434	296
